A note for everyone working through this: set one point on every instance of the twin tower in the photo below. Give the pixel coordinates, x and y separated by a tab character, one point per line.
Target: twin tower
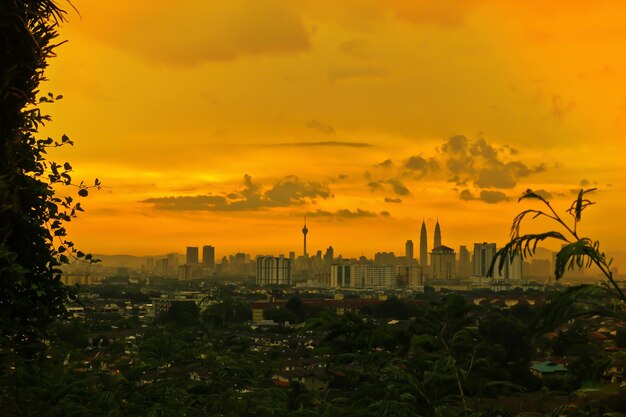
424	243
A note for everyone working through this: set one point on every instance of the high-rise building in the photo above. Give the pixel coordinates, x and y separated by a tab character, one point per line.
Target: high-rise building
172	262
443	262
465	269
342	276
192	255
411	276
437	240
380	277
329	255
483	256
305	230
385	258
273	271
408	251
511	269
366	276
423	246
208	257
162	266
185	272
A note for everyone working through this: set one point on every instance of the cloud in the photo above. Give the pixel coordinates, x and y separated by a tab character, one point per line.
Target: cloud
466	195
374	185
447	13
347	214
387	163
289	191
482	164
187	203
421	165
320	144
189	33
396	185
357	48
348	72
487	196
492	197
393	200
543	193
338	178
320	127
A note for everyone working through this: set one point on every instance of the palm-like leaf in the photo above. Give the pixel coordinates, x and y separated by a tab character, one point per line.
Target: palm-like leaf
576	252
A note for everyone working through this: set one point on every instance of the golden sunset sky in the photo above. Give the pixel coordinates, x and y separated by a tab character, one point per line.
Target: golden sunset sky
224	122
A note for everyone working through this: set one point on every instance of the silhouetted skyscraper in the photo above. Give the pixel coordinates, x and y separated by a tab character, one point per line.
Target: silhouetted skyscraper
443	262
329	255
208	257
408	251
483	256
465	263
437	241
192	255
423	246
304	232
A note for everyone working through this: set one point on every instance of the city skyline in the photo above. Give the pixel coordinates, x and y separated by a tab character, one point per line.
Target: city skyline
217	253
365	117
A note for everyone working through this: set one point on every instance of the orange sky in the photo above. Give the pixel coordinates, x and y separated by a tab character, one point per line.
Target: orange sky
224	122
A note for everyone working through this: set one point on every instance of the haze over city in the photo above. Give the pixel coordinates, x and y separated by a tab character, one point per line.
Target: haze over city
227	122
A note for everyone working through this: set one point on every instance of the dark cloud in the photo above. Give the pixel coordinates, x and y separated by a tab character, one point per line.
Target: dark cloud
347	214
584	182
396	185
292	191
348	72
187	203
319	144
487	196
466	195
421	165
393	200
492	197
387	163
482	164
289	191
374	185
338	178
320	127
195	32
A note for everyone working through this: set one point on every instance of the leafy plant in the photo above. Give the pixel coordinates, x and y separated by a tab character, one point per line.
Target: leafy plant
33	237
577	251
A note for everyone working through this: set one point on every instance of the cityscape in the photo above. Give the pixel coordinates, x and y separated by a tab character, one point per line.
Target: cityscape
269	208
435	264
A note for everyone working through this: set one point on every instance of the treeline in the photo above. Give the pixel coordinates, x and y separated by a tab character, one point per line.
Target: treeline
447	357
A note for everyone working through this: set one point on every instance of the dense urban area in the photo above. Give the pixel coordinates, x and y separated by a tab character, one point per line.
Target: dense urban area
182	334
